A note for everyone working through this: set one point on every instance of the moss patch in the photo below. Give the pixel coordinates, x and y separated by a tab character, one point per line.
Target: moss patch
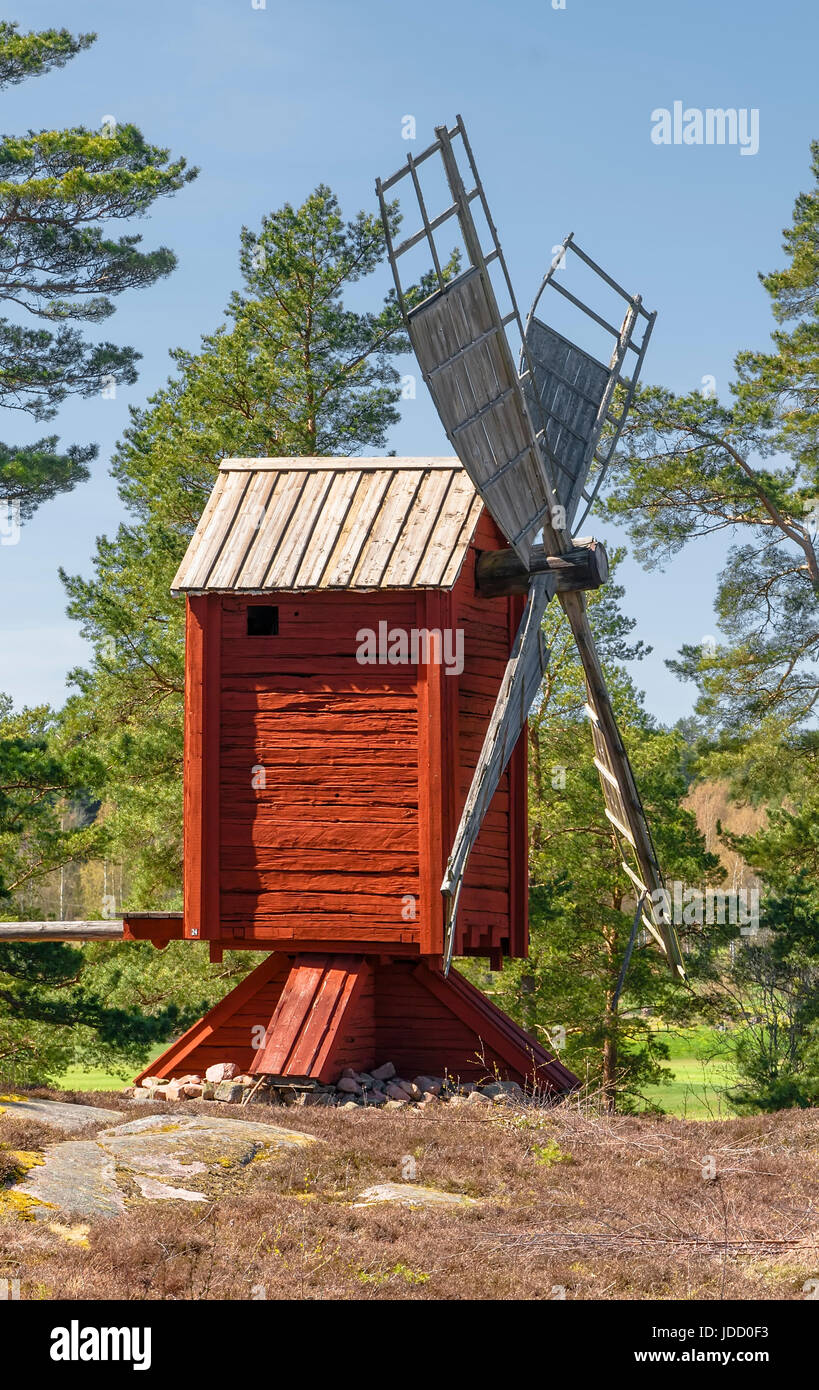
73	1235
14	1203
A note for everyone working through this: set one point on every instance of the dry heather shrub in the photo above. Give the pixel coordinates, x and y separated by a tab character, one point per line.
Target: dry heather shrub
598	1207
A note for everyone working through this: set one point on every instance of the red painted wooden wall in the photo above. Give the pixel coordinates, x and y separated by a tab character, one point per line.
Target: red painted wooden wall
343	840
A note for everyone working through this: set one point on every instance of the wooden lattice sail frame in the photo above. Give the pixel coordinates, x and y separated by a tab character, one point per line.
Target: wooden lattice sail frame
530	466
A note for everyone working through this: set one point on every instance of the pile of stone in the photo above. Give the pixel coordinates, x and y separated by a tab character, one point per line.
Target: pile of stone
381	1087
220	1082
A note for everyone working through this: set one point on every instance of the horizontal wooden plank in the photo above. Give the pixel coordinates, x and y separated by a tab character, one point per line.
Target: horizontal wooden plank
309	758
268	808
318	804
297	834
355	679
295	885
486	921
333	649
310	463
372	780
322	927
473	683
305	745
308	861
64	931
348	899
308	611
306	729
333	634
264	702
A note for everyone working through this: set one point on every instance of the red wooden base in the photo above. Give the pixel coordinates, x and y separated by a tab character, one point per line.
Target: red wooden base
313	1015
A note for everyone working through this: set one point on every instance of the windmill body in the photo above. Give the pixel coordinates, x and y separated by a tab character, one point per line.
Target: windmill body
342	667
364	645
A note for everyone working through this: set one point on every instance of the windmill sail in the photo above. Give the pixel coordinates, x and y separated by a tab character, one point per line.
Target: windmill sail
459	337
519	688
623	806
571	393
528	440
468	366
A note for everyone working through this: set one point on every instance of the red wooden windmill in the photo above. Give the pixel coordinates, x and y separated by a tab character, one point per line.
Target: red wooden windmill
334	718
363	648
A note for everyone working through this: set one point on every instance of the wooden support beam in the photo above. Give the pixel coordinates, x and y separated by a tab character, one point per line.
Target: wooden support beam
61	931
499	572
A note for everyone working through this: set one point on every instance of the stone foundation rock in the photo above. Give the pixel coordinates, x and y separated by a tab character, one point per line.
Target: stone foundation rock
379	1087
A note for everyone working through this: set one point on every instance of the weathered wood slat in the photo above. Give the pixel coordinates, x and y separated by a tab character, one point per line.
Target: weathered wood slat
296	834
354	532
243	532
309	863
307	729
276	704
347	759
426	513
261	901
482	387
387	528
446	533
285	565
458	559
331	524
266	809
309	463
387	888
338	775
295	616
517	692
328	926
298	672
275	526
62	931
269	729
207	523
332	514
212	532
622	799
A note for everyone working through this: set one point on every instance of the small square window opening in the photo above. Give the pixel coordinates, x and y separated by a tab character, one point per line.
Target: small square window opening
262	620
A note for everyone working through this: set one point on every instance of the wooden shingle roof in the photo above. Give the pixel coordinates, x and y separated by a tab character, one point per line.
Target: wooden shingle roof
332	523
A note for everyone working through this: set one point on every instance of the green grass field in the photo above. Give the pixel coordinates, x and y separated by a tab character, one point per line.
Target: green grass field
701	1071
94	1079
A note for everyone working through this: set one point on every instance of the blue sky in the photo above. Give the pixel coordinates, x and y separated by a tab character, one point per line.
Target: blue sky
271	101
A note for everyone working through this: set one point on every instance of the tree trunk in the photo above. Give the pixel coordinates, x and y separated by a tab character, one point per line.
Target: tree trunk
609	1085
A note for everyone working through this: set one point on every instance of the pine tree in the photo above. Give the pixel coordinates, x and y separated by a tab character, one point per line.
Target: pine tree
61	267
692	465
772	985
